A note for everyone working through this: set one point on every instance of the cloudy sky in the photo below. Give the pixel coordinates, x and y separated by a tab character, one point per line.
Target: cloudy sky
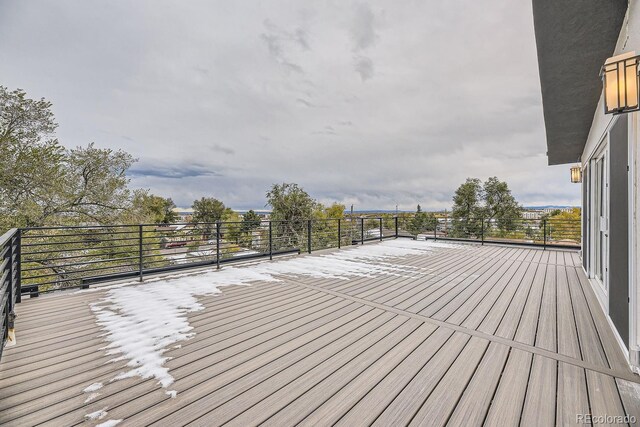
372	103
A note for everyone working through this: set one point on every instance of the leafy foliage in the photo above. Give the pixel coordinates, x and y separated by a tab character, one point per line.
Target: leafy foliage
42	183
250	221
325	225
206	212
149	208
467	209
562	225
291	208
490	207
500	205
422	221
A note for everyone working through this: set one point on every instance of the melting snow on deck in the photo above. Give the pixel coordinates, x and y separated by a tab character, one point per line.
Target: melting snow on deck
143	321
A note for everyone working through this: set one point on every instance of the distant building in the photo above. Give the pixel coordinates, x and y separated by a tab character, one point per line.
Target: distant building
551	210
531	214
185	214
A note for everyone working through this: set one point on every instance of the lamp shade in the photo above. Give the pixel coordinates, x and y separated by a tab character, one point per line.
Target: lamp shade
620	80
576	174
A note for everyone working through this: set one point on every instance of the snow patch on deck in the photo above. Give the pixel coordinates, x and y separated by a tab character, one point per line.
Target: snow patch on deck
144	321
93	387
97	415
109	423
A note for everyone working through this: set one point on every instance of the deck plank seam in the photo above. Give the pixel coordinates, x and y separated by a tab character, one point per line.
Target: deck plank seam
629	376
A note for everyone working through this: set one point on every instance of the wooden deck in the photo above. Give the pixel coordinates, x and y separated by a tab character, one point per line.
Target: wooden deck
494	335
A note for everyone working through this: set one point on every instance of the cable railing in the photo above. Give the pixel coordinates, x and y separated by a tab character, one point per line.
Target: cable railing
54	258
9	284
47	259
544	232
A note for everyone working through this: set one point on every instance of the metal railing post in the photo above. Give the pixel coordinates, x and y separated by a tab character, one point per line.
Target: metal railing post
482	230
9	258
381	229
270	242
362	231
396	224
140	258
11	314
309	236
544	233
435	230
339	232
19	266
217	245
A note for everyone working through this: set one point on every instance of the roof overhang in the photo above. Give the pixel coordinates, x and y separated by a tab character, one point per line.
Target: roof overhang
573	38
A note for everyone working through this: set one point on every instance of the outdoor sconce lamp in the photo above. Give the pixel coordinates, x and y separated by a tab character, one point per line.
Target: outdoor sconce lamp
576	174
620	80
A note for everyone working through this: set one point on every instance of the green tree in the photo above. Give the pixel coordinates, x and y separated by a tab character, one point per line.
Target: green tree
421	222
291	207
231	230
467	209
250	221
95	185
30	156
42	183
149	208
325	225
335	211
492	202
500	206
206	212
562	225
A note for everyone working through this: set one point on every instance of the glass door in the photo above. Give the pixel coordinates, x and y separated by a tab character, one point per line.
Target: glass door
600	219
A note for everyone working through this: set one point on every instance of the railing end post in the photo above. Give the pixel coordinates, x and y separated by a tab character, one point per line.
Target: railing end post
11	329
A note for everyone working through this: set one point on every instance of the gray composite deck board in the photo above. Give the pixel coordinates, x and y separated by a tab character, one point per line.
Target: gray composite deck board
451	338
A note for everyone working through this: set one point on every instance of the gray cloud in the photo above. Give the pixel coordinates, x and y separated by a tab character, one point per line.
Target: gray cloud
279	40
305	102
146	170
364	36
216	98
362	29
364	67
222	149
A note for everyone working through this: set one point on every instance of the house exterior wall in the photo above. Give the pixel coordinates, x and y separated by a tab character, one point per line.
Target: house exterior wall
628	40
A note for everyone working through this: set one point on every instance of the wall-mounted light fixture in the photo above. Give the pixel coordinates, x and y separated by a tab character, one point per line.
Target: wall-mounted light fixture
620	80
576	174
